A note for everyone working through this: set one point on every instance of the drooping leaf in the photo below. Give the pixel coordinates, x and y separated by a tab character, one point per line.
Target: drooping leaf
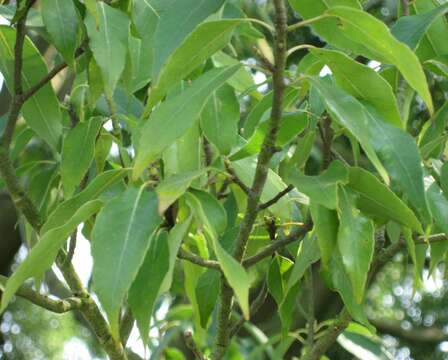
356	244
122	231
326	28
164	126
146	287
61	21
170	189
326	225
109	42
66	209
433	129
213	218
381	141
41	111
78	151
444	179
377	199
202	43
363	83
207	291
365	29
278	273
322	189
220	117
410	29
43	254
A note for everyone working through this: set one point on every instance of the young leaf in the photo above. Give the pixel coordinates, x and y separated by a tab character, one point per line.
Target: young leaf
43	254
202	43
365	29
356	244
146	287
122	231
377	199
164	126
65	210
363	83
220	117
213	217
41	111
322	189
109	42
78	151
410	29
170	189
61	21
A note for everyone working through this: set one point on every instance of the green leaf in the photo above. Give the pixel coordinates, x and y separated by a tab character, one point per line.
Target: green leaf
439	207
65	210
170	189
220	117
326	225
377	199
147	284
78	151
207	291
380	140
41	111
356	244
43	254
278	273
102	150
61	21
291	126
202	43
322	189
433	129
326	28
164	126
410	29
363	83
365	29
122	232
214	220
109	42
245	169
444	179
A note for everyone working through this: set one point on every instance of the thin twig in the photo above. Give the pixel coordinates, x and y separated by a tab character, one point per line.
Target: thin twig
191	344
276	198
195	259
234	177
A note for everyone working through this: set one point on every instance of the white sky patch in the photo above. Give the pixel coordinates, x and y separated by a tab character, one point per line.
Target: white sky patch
434	282
82	258
75	349
260	78
375	65
325	71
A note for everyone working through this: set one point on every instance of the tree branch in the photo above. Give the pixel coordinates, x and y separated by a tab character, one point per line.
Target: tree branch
276	198
195	259
234	177
261	172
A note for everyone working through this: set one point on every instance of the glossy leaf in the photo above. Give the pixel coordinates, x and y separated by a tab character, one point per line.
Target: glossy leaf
377	199
41	111
170	189
322	189
61	21
213	218
44	253
356	244
220	117
122	231
202	43
365	29
109	42
66	209
78	151
147	284
410	29
395	148
164	126
363	83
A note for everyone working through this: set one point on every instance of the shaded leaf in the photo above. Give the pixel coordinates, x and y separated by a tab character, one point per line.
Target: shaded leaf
207	291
